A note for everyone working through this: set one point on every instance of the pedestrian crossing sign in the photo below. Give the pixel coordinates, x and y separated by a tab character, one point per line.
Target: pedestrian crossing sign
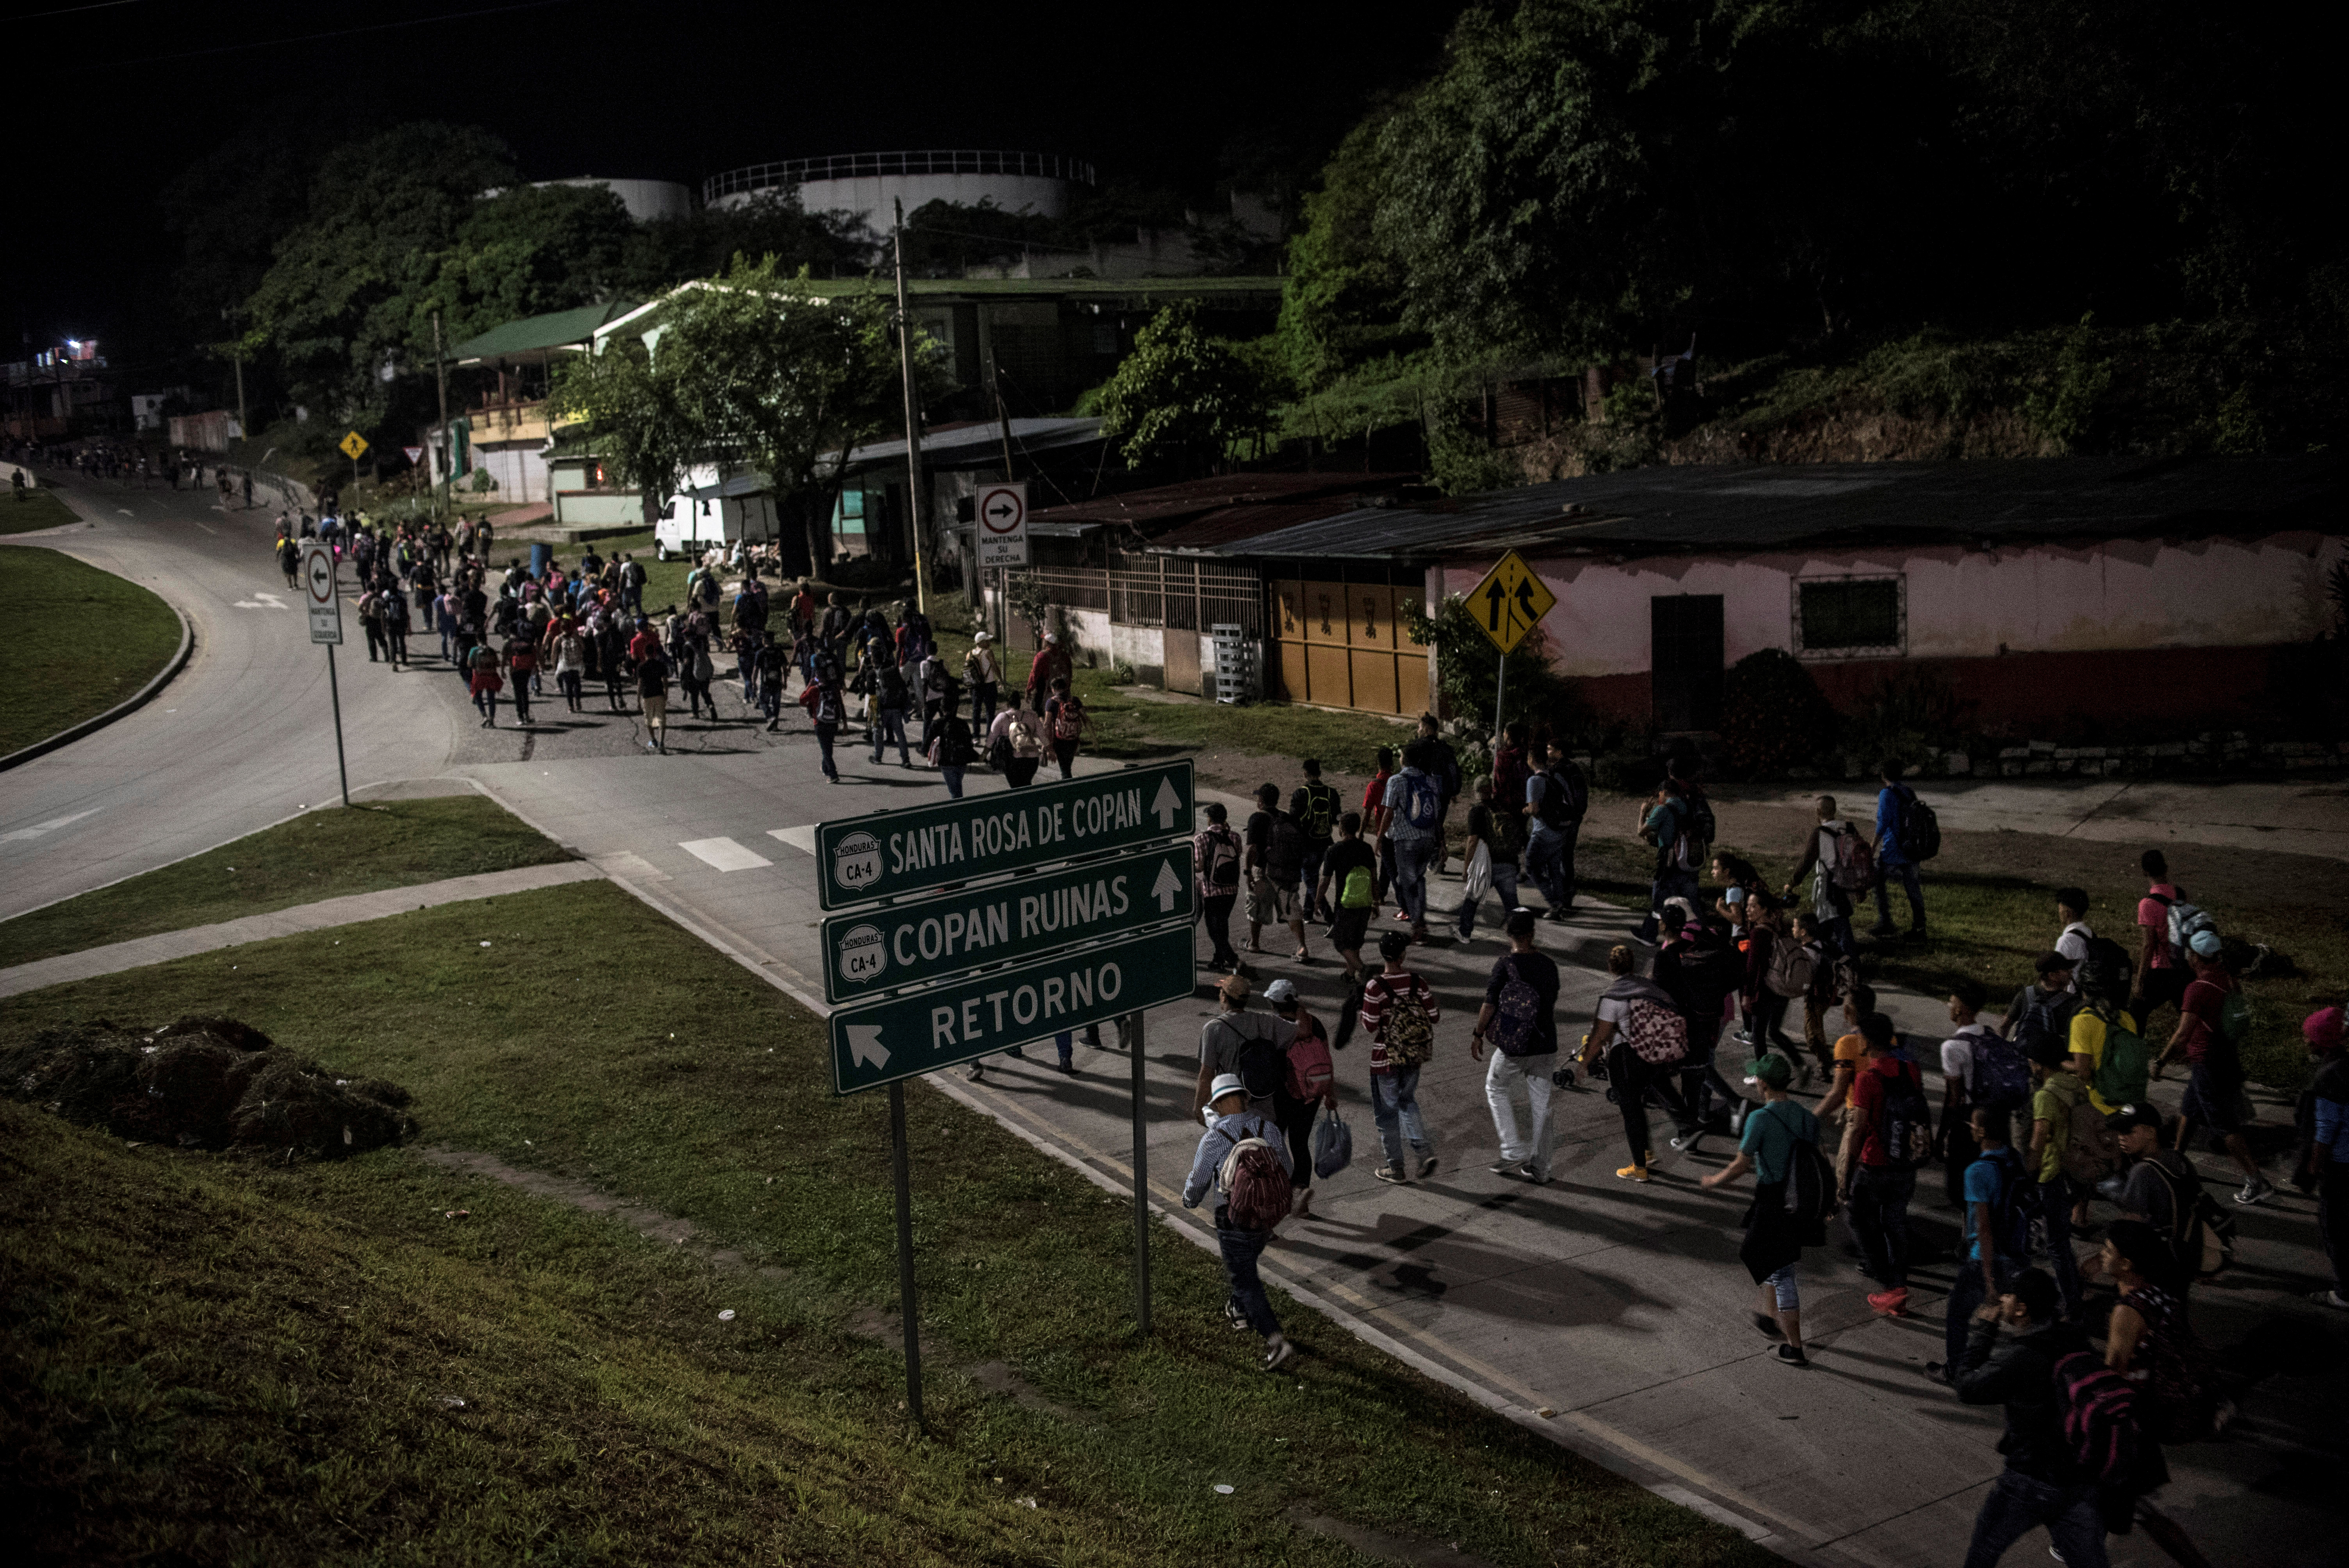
354	446
1510	601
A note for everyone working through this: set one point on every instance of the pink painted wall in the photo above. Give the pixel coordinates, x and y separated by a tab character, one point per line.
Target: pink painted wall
2120	596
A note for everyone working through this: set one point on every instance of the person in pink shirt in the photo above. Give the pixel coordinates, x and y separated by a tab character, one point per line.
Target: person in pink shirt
2162	974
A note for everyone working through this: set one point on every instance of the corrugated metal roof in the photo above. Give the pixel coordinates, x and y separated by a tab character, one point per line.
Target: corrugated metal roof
1747	507
535	334
975	444
1199	513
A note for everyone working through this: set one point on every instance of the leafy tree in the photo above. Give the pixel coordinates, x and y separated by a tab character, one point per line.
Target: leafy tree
1468	670
524	252
1183	400
640	427
1343	303
1774	718
668	251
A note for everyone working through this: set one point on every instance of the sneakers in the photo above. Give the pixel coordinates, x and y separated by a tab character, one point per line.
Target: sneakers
1501	1167
1686	1142
1941	1373
977	1072
1893	1303
1534	1173
1277	1351
1427	1168
1234	1316
1792	1355
1633	1173
2330	1299
2258	1190
1767	1325
1391	1173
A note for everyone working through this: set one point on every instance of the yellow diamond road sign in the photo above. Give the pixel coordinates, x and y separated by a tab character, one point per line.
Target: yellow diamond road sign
1510	601
354	446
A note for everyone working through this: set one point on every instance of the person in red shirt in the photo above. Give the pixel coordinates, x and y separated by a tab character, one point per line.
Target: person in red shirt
2214	1072
1052	663
1877	1189
2161	974
1374	800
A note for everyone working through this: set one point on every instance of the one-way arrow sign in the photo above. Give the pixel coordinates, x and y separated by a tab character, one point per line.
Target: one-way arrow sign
1169	887
1167	806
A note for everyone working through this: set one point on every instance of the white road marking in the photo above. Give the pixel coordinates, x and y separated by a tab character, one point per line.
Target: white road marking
51	826
125	512
800	839
725	854
263	599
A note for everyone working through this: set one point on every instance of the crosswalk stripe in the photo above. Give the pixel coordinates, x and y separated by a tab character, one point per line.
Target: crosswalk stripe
725	854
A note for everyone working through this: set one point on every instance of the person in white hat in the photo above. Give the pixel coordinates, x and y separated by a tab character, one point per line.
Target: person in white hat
984	676
1242	1158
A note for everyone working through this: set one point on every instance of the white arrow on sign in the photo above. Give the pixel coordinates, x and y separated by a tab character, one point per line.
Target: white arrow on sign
1166	804
865	1045
1167	888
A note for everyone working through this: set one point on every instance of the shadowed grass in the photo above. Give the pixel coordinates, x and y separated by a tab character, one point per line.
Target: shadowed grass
83	640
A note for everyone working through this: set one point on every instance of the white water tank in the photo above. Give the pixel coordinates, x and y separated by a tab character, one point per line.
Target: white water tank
867	185
646	199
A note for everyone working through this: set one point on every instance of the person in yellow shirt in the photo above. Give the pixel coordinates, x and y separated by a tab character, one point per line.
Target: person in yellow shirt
2105	985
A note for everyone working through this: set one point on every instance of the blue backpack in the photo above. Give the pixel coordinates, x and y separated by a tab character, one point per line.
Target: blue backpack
1422	804
2002	1077
2010	1221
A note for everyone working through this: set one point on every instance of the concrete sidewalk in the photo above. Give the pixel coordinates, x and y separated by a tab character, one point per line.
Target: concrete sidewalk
1619	1309
164	947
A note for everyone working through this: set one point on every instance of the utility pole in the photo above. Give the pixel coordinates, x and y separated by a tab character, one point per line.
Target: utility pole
440	369
912	429
1003	423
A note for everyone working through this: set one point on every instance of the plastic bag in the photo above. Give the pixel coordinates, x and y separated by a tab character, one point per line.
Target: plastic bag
1477	880
1333	1145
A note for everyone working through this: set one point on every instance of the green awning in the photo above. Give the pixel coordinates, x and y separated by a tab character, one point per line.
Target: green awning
535	336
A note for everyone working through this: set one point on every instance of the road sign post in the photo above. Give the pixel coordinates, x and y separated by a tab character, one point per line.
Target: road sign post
1507	605
1002	531
324	606
354	446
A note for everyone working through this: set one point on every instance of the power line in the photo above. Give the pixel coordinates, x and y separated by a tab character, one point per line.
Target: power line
338	33
70	10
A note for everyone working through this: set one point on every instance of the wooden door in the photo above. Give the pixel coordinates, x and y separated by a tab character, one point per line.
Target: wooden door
1685	661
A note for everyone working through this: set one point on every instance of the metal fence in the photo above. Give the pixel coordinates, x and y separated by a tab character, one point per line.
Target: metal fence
792	171
1158	590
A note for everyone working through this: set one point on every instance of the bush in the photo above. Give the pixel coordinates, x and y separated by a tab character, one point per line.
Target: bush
1627	772
1913	715
1773	715
1469	668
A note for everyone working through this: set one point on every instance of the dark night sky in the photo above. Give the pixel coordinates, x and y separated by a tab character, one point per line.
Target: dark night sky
108	103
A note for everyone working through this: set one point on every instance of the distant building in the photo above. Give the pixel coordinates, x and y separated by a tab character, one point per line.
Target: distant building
646	199
504	431
867	185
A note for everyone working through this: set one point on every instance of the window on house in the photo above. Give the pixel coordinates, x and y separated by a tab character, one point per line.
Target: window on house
1850	615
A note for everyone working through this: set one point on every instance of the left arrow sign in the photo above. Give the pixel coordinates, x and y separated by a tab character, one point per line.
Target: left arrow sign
865	1045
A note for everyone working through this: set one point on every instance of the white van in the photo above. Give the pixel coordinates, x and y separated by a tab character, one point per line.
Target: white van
696	519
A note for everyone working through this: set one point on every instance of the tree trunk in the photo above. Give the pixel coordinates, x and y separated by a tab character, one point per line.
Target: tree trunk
816	508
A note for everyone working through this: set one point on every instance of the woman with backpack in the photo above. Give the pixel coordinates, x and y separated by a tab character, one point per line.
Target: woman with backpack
1215	853
1642	1036
951	751
570	660
1309	1088
1794	1189
1015	745
486	682
1066	718
2149	1341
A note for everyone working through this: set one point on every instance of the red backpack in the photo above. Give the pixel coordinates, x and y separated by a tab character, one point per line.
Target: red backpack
1257	1187
2099	1415
1309	1067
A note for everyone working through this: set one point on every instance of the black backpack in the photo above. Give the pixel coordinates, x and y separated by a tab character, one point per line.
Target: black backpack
1320	811
1261	1065
1921	827
1284	850
1565	797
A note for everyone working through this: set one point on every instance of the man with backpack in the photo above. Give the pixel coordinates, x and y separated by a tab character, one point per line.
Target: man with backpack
1496	835
1554	801
1066	719
1679	822
2321	1118
1307	1087
1840	866
2071	1150
1979	1067
2113	1061
2043	1008
1276	848
1699	970
1216	858
1400	1013
2162	1188
1350	889
1898	815
1241	1156
1442	765
1997	1235
2166	923
1888	1135
2040	1374
1519	1021
2213	1017
1412	817
1793	1190
1247	1045
1316	807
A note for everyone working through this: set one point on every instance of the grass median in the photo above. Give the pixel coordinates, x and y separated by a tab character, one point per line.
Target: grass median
34	510
85	640
319	855
236	1359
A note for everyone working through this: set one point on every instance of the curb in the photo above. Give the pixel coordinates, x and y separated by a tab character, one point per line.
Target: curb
130	704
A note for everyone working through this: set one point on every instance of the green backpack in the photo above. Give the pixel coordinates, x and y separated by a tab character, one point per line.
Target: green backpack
2235	1019
1355	891
2123	1070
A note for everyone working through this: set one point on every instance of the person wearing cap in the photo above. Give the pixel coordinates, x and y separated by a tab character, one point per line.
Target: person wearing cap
2161	1188
983	672
1774	1135
1051	662
2041	1486
2212	1019
1534	1062
2322	1117
1235	1121
1225	1043
1294	1111
1317	807
2053	990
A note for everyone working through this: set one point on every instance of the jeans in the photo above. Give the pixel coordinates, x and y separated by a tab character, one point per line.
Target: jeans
2055	1197
824	737
1395	1106
1549	861
1627	1078
2017	1503
1786	1290
1411	858
953	775
890	728
1217	910
1309	876
1667	885
1533	1072
1966	1294
982	705
1241	1249
1505	884
1878	1213
1885	873
567	682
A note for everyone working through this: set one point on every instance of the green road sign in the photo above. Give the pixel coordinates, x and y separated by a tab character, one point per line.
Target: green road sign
868	951
956	1021
890	854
